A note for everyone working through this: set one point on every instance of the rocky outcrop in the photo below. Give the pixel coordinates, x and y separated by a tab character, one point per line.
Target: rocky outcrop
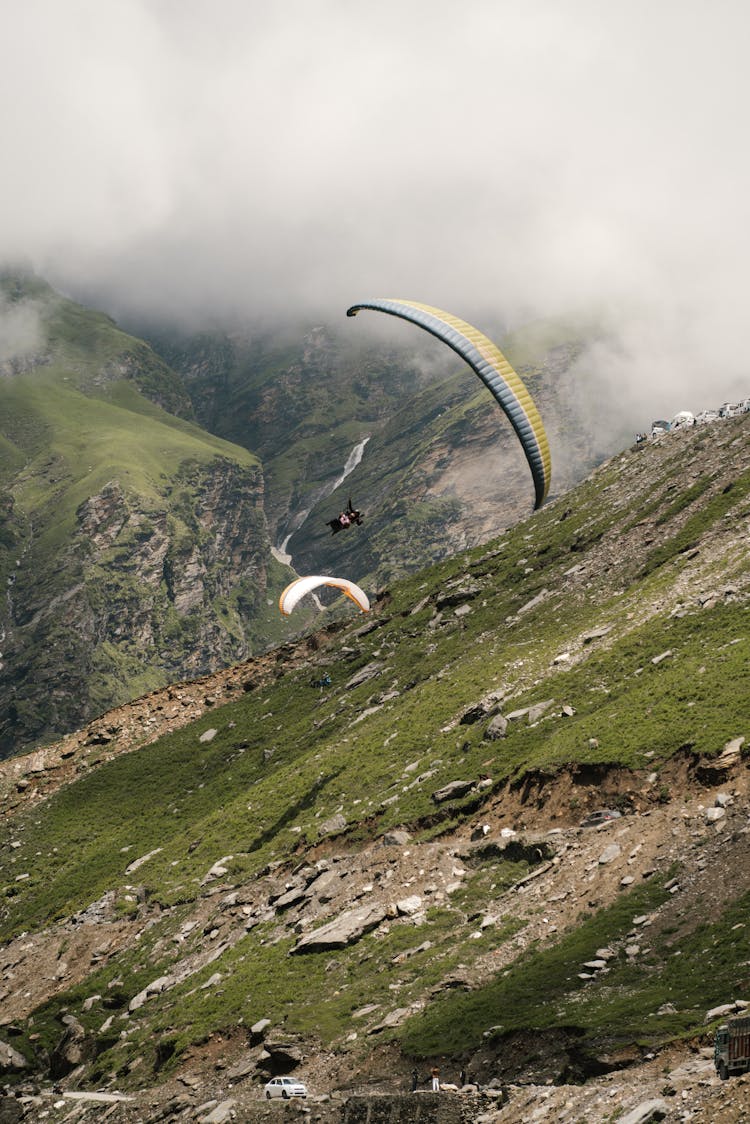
160	592
73	1048
10	1059
343	930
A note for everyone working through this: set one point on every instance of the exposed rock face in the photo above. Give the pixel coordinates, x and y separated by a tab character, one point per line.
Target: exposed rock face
133	592
10	1059
343	930
71	1050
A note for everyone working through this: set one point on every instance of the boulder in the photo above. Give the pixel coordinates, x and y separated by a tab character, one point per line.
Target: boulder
325	887
10	1059
397	838
241	1069
161	983
218	870
291	897
534	602
259	1028
713	770
496	728
394	1018
223	1112
645	1112
333	825
538	710
517	715
132	867
596	634
474	714
465	592
212	981
344	930
720	1012
71	1050
283	1055
407	907
369	671
452	791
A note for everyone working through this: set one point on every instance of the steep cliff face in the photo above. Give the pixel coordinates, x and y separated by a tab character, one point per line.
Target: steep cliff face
134	548
134	599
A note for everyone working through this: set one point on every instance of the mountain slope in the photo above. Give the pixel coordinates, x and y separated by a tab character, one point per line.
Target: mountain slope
133	545
441	468
136	547
169	883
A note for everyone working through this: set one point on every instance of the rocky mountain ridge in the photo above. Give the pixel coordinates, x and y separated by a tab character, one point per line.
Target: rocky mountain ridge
389	890
133	546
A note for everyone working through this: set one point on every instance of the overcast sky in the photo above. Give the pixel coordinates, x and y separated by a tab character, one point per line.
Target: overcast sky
504	159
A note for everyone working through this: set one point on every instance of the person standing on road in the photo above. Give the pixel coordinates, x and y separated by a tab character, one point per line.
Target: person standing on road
435	1072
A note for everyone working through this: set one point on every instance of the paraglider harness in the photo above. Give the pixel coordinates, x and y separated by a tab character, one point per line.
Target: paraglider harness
345	519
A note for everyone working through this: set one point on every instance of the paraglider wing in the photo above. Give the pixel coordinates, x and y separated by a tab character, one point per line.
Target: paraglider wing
487	361
297	589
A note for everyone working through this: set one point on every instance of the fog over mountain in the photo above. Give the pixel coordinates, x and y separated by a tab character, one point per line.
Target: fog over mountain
246	163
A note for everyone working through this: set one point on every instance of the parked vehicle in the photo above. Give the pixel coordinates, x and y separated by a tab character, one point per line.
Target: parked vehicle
285	1087
732	1047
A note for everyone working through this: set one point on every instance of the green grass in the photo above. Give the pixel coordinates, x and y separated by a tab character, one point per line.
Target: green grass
289	756
533	993
314	995
286	757
716	508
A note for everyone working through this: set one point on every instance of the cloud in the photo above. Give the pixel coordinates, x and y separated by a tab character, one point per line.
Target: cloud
502	159
21	333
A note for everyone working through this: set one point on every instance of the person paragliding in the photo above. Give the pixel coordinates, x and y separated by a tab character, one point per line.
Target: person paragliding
347	517
300	587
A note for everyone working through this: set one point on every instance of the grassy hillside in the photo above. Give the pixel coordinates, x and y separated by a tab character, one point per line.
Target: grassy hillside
133	545
610	632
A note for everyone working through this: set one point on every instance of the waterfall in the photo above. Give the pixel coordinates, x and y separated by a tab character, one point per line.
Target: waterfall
351	463
279	552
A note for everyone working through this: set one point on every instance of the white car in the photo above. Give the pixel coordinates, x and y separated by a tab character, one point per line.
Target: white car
285	1087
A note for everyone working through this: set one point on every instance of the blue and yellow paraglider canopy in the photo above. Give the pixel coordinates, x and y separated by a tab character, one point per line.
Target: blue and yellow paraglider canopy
487	361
